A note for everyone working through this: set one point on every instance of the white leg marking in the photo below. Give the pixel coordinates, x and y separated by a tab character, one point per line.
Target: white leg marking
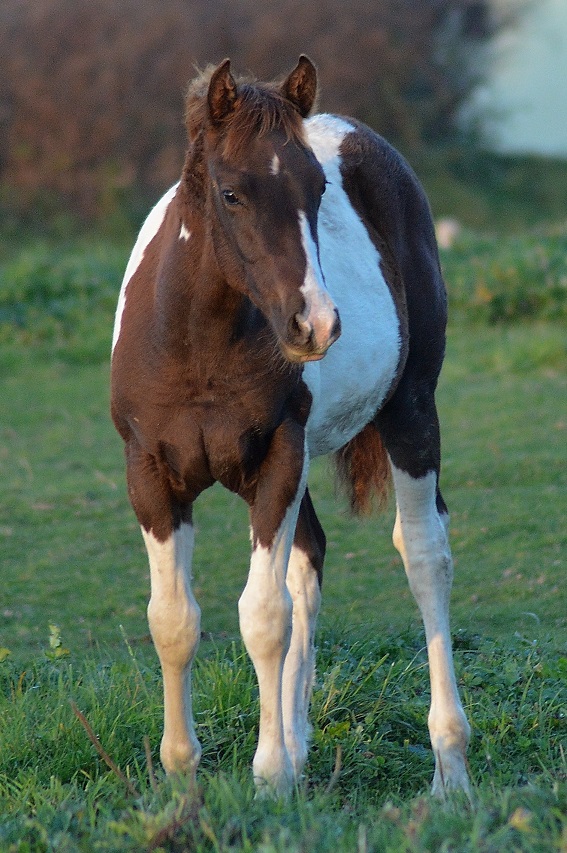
148	231
174	619
265	611
299	668
420	535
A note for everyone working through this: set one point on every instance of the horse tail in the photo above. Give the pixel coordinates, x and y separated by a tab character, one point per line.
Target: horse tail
363	470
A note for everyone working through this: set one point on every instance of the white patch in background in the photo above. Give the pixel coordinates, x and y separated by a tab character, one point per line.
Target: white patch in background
350	383
184	232
148	231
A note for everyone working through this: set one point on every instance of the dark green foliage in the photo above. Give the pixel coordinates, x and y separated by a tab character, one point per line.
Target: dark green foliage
507	278
61	297
501	193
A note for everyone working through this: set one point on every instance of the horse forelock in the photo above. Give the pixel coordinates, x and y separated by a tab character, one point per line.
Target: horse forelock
259	109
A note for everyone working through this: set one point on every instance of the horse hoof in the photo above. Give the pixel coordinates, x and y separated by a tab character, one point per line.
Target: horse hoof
274	784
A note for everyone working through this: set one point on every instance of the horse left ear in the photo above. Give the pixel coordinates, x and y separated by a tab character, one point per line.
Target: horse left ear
301	86
222	93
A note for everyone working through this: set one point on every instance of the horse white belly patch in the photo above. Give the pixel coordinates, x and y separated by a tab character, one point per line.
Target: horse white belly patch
350	383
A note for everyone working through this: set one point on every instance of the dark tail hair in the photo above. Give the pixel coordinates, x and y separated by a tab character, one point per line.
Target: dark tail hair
363	470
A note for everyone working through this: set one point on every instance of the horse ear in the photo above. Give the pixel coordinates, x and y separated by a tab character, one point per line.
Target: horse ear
301	86
222	93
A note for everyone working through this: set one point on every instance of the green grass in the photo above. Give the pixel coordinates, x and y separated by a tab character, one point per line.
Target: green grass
369	700
72	556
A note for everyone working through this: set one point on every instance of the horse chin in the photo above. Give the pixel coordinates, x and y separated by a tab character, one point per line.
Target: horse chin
313	356
299	357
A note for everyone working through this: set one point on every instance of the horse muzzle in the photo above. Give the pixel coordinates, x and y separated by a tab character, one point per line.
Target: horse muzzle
309	337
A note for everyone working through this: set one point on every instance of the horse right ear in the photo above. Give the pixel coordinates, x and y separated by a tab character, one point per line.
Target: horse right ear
222	93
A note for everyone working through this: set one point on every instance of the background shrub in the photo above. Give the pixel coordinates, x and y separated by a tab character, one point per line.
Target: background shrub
91	91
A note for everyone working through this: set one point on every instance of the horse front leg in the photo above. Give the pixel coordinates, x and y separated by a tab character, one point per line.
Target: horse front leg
420	536
173	613
174	620
265	606
304	576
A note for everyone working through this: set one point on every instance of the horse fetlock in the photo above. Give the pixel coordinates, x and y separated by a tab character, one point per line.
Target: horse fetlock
273	771
449	743
180	755
449	732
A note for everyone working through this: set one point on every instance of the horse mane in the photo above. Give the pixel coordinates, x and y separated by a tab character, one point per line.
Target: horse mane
259	109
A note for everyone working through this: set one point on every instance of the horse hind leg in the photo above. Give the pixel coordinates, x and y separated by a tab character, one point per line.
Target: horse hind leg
420	535
304	576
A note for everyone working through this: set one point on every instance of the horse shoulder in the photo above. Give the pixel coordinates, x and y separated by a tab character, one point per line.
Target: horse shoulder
151	229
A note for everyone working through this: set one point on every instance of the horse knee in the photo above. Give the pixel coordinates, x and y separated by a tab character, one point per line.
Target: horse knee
265	614
174	616
175	630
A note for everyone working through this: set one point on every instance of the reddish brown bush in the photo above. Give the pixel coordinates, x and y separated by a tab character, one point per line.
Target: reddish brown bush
91	91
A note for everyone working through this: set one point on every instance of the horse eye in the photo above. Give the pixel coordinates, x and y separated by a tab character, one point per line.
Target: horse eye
230	198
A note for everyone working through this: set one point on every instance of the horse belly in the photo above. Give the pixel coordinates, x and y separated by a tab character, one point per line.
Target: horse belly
350	383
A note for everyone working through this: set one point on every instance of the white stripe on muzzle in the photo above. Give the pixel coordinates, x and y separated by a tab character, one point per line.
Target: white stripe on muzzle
320	312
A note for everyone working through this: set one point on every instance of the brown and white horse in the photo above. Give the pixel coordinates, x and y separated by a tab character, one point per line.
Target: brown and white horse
283	300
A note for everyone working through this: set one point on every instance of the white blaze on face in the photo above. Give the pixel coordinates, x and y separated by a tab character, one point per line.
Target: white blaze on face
320	310
275	165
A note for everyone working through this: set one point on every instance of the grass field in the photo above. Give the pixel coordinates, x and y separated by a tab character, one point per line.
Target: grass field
72	557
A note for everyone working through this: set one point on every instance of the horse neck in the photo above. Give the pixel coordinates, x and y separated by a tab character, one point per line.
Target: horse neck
197	309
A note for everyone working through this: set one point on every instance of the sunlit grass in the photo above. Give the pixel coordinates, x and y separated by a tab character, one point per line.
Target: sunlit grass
73	622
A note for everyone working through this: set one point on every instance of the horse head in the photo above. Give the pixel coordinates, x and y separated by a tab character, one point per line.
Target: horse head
261	187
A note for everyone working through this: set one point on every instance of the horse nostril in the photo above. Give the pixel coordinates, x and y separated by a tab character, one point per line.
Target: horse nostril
336	330
301	329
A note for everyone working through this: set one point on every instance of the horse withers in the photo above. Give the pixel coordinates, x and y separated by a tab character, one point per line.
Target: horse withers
284	300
